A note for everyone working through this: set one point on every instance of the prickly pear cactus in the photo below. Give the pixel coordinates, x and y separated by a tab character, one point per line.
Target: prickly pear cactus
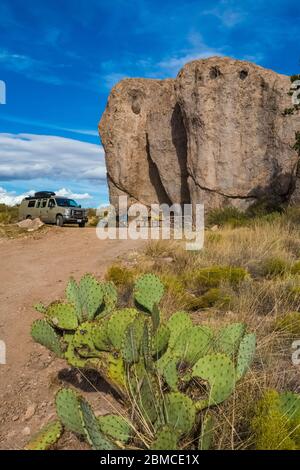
40	307
229	338
46	438
245	354
193	343
91	296
62	316
219	371
110	297
44	334
73	296
100	335
132	341
207	432
92	430
160	340
116	427
180	412
87	297
176	324
69	411
117	325
148	291
165	439
71	354
155	315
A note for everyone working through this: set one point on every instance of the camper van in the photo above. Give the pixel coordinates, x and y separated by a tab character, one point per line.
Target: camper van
52	209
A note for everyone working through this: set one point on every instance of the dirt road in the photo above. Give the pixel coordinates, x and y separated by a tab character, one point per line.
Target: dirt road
33	270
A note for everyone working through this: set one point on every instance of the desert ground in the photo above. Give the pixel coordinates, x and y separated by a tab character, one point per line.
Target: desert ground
33	269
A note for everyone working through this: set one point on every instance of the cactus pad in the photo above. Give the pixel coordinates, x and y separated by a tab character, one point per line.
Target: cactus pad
290	405
92	430
73	296
68	410
72	356
91	296
45	438
132	340
176	323
245	354
148	291
40	307
110	297
160	340
207	433
229	338
100	335
218	370
193	343
62	316
180	412
165	439
44	334
117	325
116	427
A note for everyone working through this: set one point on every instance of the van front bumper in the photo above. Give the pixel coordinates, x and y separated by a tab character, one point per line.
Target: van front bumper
69	219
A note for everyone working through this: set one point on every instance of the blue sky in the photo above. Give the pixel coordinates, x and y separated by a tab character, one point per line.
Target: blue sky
59	60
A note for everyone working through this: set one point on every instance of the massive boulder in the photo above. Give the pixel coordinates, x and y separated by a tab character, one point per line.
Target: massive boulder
217	135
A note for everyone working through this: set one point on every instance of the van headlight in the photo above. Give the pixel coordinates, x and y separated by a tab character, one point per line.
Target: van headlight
68	212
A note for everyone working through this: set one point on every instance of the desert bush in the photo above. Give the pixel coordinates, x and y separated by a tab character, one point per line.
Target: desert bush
289	323
276	424
228	216
8	214
272	267
120	275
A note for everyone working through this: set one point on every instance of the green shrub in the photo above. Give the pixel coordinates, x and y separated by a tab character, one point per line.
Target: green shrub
214	297
289	323
273	267
206	278
8	215
295	269
227	216
273	427
120	275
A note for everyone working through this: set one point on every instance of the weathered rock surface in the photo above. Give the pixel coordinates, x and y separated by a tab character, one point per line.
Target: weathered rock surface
214	135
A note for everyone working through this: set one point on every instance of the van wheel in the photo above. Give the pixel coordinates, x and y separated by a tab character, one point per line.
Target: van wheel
59	221
82	224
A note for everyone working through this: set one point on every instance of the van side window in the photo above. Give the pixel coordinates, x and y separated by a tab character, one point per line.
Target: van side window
44	203
38	203
51	203
31	203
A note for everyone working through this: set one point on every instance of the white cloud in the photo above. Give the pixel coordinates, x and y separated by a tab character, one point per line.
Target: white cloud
69	194
10	198
228	13
31	156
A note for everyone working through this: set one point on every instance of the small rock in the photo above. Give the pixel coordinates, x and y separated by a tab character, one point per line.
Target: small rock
29	412
15	418
26	431
214	228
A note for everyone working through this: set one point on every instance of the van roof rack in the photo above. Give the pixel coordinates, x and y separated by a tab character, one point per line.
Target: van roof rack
44	194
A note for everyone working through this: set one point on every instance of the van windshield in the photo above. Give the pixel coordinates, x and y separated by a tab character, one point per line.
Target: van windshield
63	202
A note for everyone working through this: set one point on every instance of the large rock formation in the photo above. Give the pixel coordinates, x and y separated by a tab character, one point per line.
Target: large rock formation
216	135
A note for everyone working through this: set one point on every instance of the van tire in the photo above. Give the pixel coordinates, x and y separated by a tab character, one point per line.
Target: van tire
59	220
81	225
